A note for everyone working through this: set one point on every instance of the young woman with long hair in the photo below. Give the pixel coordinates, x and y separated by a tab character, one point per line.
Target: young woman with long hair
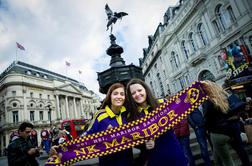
163	150
112	114
222	123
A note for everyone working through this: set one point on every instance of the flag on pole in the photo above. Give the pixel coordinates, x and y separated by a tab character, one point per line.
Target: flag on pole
68	63
20	46
80	71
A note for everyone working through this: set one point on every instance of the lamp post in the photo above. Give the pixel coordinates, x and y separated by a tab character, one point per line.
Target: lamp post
49	114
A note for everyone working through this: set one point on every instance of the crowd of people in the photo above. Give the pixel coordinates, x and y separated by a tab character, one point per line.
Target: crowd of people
218	122
23	147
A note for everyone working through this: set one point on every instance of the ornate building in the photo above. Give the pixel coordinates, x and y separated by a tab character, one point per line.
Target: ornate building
187	46
45	98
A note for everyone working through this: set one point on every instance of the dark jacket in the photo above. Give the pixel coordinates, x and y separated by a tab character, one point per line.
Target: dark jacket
196	119
216	121
17	153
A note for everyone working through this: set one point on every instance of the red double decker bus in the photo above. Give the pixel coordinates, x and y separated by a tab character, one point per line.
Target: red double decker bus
75	126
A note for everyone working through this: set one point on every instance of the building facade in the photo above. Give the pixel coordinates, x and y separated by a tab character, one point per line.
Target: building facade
45	98
187	46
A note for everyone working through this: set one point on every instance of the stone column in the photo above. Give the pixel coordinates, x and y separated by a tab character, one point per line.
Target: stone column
81	108
75	110
25	111
67	109
58	113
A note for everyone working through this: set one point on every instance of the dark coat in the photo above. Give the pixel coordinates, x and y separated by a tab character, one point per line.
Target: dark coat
216	121
17	153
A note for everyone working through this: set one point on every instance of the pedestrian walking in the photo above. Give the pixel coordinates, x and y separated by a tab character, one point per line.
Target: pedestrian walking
45	137
197	122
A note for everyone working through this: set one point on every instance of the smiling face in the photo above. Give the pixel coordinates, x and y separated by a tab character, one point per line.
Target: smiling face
118	97
138	93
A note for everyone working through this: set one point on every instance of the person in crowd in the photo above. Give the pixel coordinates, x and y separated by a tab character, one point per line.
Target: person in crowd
166	148
21	151
182	132
60	138
112	114
248	107
197	122
224	130
45	137
34	137
14	135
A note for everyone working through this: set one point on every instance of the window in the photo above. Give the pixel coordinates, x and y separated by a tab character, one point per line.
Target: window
202	33
40	96
250	40
31	94
48	97
187	80
184	49
32	116
28	72
181	82
221	61
41	117
14	104
192	42
174	60
49	116
231	14
220	14
160	85
216	27
225	16
15	116
13	93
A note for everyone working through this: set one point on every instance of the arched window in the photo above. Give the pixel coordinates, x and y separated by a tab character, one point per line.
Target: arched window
202	34
160	85
217	26
174	59
231	14
206	75
192	41
184	49
220	14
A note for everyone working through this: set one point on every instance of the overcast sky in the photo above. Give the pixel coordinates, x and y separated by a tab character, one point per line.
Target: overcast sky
55	31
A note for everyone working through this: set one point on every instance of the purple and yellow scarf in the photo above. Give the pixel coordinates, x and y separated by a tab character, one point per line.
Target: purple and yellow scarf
131	134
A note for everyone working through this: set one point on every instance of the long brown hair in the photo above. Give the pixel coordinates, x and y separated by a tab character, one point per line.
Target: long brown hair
217	95
133	106
107	100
